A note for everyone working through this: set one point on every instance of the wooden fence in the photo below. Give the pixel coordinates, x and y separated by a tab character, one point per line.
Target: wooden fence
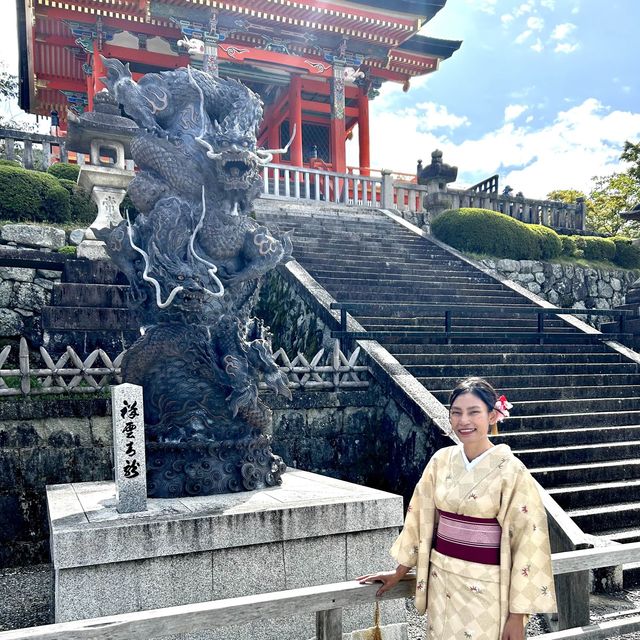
326	601
71	374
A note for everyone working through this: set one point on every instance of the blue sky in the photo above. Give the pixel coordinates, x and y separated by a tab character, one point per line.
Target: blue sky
543	92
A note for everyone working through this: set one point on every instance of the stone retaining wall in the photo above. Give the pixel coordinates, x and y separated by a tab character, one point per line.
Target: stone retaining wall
567	285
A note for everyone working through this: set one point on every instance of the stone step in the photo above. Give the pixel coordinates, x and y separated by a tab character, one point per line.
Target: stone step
632	326
444	289
580	454
385	274
630	575
554	476
540	371
506	358
544	394
344	264
92	272
565	420
409	324
433	298
72	294
596	495
597	519
624	535
455	349
545	438
367	242
88	319
387	270
576	405
526	382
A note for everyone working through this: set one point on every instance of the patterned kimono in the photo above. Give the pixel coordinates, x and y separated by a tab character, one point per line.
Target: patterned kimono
469	600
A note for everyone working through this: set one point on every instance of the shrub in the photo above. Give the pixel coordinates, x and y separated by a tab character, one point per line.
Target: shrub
68	250
484	231
64	171
627	255
550	242
568	246
9	163
596	248
31	196
82	209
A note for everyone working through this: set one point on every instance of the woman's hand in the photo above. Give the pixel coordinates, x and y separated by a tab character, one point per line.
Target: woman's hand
514	627
389	579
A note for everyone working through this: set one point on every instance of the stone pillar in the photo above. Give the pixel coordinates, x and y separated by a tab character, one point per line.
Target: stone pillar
387	190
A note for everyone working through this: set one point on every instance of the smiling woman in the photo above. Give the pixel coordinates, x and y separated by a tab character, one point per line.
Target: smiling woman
476	531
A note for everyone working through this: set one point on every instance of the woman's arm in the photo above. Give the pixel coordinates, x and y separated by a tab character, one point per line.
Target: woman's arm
389	579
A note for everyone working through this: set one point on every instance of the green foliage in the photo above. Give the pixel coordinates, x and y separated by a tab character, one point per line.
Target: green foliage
631	154
550	242
82	209
8	85
568	246
9	163
496	234
31	196
64	171
68	249
611	195
596	248
127	206
627	255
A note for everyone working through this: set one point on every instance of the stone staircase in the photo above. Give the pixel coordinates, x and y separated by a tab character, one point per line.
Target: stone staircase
576	421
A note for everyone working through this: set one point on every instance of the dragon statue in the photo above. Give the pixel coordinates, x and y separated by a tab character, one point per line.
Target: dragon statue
194	258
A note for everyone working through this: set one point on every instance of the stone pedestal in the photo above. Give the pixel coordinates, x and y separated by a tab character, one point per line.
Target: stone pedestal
312	530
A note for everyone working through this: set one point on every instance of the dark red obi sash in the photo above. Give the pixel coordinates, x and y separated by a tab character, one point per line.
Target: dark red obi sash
468	538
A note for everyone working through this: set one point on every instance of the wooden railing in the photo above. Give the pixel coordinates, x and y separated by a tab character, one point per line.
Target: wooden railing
70	374
326	601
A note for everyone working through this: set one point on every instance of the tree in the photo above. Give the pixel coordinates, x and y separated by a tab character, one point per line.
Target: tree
8	85
609	196
631	154
566	195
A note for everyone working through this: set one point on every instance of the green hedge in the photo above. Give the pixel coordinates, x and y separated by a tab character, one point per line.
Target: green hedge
82	208
9	163
627	255
496	234
32	196
64	171
568	245
594	248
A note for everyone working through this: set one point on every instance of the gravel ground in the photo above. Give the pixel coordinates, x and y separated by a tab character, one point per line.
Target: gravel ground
26	600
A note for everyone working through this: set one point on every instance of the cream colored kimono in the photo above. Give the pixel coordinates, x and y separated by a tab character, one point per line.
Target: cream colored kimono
469	600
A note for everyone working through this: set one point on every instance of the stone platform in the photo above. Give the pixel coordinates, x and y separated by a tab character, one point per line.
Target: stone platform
311	530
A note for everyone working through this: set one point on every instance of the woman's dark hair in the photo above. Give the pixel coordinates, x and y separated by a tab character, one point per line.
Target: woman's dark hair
479	388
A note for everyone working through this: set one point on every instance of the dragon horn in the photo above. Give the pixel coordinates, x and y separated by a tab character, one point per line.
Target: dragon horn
267	152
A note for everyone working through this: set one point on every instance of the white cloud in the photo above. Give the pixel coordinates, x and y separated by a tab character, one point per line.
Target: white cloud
437	116
535	22
523	36
537	46
525	7
486	6
583	141
506	19
566	47
548	4
513	111
563	31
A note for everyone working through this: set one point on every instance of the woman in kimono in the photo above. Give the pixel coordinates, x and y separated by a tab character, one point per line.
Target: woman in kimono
476	531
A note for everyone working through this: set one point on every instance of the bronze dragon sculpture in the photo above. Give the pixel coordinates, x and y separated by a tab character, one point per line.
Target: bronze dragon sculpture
194	257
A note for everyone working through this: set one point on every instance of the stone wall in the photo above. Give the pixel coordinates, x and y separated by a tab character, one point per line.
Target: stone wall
24	291
568	285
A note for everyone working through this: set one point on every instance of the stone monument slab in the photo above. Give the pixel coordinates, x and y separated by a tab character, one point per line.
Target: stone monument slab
311	530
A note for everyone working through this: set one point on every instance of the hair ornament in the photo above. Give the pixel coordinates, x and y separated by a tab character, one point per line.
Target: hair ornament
503	406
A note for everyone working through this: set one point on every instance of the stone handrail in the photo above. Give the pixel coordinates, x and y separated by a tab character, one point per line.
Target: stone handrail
326	601
431	199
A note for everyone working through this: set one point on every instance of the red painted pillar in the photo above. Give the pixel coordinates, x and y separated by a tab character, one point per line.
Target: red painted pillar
295	119
273	136
98	70
363	132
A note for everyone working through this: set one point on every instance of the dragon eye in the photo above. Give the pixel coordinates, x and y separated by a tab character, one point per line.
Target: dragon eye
245	144
181	278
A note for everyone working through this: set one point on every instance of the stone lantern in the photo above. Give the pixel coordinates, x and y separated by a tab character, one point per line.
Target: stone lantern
104	134
435	177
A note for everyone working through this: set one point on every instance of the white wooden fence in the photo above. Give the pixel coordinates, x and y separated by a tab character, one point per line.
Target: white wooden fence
70	374
326	601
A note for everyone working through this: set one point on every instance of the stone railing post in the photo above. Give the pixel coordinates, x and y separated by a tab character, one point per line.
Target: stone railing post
387	190
581	214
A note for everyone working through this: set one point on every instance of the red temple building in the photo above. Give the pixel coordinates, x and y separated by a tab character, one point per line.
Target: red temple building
316	64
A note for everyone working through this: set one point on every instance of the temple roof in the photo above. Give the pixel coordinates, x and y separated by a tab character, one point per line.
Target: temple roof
426	8
431	46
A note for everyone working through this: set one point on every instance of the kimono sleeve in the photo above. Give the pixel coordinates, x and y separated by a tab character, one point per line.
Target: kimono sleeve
418	524
531	588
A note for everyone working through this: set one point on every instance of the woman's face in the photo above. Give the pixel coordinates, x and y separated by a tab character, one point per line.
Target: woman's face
470	418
